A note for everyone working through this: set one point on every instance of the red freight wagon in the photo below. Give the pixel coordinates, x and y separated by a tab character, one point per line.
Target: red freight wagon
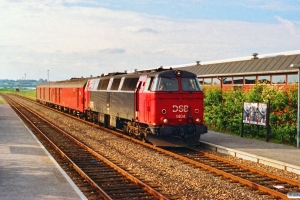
66	95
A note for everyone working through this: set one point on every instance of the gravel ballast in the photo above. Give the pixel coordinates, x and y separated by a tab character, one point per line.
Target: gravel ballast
171	175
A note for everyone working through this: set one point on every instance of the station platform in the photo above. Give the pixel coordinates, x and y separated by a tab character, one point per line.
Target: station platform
271	154
27	170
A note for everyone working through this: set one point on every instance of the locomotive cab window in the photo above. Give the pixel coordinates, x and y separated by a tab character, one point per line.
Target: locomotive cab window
115	84
129	84
149	83
165	84
103	84
190	84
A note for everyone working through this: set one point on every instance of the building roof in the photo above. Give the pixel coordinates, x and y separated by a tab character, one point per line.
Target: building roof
252	65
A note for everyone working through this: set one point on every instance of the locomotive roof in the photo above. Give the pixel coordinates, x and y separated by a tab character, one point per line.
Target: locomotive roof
255	65
155	72
172	73
80	82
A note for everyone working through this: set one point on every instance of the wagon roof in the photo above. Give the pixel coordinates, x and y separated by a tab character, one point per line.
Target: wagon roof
73	82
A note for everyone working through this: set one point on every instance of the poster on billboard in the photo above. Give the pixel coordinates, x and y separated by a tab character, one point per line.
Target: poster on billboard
255	113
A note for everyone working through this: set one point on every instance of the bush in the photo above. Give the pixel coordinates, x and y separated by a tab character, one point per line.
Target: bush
223	111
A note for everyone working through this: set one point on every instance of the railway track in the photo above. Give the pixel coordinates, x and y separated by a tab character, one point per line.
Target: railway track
109	180
265	183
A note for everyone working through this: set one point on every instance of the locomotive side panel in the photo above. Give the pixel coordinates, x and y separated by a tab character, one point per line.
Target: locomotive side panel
122	104
98	101
90	86
117	104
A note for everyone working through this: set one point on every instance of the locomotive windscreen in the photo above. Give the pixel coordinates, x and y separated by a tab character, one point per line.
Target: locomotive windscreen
173	84
190	84
166	84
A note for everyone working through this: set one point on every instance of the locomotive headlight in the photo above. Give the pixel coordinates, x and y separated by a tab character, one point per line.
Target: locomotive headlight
165	121
178	73
197	120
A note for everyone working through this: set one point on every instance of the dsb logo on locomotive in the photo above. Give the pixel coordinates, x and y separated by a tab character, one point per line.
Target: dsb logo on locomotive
180	108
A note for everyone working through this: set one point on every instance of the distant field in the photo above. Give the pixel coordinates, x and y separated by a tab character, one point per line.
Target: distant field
27	93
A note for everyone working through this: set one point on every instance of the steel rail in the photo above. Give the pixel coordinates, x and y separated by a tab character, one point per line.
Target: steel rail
87	178
204	166
280	178
118	169
236	178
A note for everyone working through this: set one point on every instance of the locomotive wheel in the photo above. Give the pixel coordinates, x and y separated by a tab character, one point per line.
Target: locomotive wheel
182	134
142	137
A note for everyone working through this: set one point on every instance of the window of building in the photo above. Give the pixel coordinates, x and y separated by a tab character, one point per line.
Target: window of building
115	84
263	79
227	80
278	79
250	79
207	81
292	78
238	80
201	81
216	81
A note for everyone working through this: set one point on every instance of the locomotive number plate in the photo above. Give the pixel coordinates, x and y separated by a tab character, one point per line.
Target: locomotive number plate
180	116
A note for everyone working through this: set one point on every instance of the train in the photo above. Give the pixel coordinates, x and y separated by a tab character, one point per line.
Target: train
164	107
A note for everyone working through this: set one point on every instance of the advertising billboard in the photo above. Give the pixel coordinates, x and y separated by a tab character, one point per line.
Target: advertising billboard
255	113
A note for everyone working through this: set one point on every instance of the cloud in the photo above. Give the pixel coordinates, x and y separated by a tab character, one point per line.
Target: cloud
293	28
82	41
147	30
112	51
276	5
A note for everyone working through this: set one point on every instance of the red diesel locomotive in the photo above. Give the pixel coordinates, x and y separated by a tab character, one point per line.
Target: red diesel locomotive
164	107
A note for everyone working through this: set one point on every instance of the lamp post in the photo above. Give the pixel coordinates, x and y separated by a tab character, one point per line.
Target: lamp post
298	111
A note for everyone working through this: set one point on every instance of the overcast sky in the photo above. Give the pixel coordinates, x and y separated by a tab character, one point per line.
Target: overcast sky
75	38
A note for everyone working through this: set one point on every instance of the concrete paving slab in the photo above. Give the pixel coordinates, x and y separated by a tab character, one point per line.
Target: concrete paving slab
27	170
280	152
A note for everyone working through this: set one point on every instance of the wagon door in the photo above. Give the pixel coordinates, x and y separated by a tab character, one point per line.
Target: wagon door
49	94
87	94
77	97
147	97
137	100
59	95
55	95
